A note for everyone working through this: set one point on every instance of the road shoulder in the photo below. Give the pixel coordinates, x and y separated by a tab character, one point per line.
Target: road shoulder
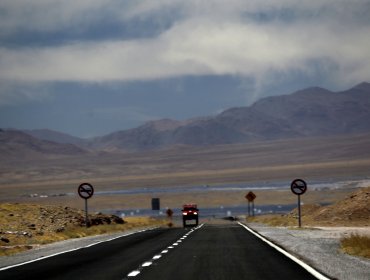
55	248
319	247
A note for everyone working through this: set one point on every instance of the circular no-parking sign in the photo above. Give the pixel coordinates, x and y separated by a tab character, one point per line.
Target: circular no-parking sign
298	186
85	190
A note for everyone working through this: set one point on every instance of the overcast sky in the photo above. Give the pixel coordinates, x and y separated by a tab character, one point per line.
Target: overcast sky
91	67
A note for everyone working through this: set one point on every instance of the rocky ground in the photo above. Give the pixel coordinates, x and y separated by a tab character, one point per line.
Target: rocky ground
354	210
23	226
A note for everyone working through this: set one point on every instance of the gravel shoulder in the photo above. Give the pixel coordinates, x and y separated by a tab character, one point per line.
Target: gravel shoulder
319	247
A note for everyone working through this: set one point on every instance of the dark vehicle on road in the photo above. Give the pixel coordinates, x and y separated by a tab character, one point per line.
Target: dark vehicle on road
190	212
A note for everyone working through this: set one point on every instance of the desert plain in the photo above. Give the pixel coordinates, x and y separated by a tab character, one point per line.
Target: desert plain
54	179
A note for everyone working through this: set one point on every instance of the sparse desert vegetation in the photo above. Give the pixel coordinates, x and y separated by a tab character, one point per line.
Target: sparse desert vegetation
357	245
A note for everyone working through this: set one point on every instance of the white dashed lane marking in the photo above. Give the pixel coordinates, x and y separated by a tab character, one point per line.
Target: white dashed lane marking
134	273
156	257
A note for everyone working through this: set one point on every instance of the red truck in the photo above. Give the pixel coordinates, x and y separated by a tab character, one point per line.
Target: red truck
190	212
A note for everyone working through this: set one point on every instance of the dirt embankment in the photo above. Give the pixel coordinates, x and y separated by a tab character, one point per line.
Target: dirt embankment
353	210
23	226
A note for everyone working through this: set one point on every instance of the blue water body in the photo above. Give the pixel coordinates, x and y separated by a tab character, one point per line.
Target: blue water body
215	212
195	188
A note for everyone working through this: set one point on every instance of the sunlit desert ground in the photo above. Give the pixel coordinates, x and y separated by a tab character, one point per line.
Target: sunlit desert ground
55	180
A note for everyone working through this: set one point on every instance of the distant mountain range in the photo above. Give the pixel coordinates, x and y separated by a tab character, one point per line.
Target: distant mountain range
55	136
307	113
18	144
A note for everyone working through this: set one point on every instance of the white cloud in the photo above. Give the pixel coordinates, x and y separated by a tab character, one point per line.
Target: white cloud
213	37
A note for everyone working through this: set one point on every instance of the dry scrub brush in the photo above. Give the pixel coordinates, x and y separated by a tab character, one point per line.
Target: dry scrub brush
358	245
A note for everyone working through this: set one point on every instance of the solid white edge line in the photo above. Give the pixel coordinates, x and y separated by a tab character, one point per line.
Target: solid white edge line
71	250
38	259
310	269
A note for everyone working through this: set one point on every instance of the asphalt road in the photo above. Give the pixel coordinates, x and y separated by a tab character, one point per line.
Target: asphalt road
211	252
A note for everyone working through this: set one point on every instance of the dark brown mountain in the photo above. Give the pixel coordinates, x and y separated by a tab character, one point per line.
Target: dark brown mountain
16	144
55	136
307	113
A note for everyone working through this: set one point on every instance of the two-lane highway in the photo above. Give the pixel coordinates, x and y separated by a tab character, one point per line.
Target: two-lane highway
225	251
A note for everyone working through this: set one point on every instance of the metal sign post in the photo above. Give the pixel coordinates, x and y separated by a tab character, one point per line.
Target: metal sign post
85	191
250	197
86	214
298	187
169	213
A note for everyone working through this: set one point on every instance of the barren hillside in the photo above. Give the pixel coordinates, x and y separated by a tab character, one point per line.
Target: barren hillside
354	209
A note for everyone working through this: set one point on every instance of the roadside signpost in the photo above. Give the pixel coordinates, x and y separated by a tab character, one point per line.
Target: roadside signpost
169	213
85	191
250	197
298	187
